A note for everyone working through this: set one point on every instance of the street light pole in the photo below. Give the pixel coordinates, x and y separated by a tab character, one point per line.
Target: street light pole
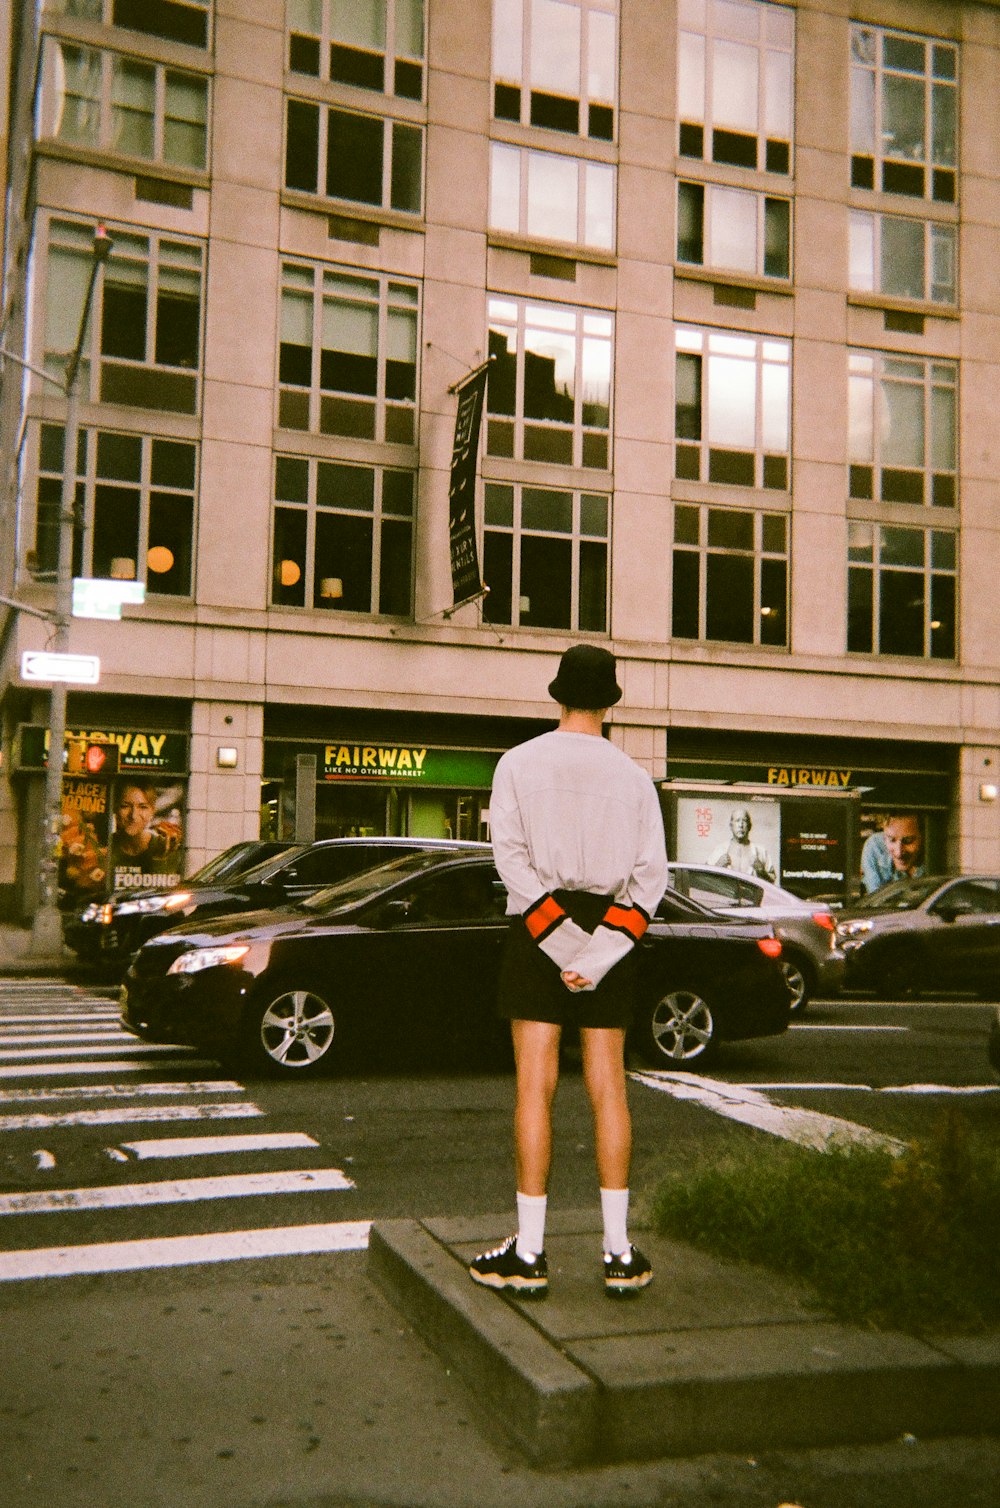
46	932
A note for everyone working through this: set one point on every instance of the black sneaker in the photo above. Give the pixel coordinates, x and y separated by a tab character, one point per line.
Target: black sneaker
503	1268
626	1274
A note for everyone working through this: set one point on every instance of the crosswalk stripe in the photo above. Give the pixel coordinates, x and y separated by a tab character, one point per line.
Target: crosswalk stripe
99	1034
206	1146
184	1251
136	1115
119	1091
57	1018
173	1191
18	1054
120	1065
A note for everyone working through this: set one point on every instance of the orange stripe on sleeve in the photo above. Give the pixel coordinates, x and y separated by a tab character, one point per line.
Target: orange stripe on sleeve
629	919
543	917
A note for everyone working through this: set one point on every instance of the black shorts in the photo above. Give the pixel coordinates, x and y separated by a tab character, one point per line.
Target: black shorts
531	989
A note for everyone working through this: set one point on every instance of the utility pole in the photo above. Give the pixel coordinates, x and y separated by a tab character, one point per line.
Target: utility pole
46	937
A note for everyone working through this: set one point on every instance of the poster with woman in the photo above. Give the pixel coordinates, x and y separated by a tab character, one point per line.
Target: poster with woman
83	849
146	848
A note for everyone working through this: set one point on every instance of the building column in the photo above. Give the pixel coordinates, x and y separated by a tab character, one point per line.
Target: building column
223	800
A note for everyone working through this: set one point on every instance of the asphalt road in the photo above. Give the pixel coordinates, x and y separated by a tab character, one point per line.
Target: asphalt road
223	1381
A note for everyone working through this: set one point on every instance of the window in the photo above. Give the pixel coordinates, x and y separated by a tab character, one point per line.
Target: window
343	537
904	114
732	408
545	557
903	424
348	354
176	20
553	197
363	158
370	44
730	575
549	393
555	64
145	329
733	230
903	258
135	496
901	591
735	77
118	104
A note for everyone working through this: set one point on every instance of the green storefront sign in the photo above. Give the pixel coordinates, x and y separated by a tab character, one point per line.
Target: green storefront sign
139	749
408	764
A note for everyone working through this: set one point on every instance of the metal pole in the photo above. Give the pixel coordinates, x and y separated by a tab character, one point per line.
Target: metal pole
46	932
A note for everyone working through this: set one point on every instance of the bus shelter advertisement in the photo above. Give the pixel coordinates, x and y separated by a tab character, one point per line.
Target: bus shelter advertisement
801	845
122	835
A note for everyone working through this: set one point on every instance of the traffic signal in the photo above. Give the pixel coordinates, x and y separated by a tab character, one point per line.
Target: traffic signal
99	760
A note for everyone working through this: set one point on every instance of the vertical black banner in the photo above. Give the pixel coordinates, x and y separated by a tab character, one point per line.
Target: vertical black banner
465	579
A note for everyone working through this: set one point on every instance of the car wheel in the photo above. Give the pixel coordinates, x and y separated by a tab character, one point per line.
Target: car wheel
678	1029
291	1031
798	978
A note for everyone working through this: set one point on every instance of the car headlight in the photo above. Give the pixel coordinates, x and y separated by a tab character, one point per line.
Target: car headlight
853	929
208	958
144	904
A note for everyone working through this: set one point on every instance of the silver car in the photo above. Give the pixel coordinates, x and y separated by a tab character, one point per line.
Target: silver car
812	962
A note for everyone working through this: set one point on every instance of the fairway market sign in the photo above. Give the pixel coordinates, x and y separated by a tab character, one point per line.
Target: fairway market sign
408	762
838	780
138	749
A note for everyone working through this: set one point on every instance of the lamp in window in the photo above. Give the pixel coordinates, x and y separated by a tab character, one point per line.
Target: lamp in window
160	559
287	572
123	568
331	588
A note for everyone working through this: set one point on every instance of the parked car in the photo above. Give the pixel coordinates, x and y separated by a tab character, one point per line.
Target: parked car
939	932
401	961
86	931
296	871
811	961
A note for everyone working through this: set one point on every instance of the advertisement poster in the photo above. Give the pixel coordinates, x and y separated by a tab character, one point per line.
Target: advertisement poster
86	825
814	848
147	835
744	836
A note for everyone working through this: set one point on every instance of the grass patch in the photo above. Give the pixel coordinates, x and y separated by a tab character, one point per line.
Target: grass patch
908	1242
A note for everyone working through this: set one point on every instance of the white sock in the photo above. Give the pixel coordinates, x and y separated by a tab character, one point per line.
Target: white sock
531	1224
614	1209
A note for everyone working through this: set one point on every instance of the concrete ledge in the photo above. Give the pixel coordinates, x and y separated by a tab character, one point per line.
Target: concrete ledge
544	1401
715	1356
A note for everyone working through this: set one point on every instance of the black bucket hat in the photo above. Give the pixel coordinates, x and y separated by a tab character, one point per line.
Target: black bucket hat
586	679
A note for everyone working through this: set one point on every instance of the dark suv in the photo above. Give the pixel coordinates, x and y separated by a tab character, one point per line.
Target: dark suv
289	875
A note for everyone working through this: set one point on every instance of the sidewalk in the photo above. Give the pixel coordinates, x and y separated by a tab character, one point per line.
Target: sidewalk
714	1356
16	957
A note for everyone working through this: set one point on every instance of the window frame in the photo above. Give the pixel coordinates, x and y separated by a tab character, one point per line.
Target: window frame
394	418
104	12
701	135
869	372
514	95
870	226
713	192
869	167
325	41
705	551
589	445
90	479
517	531
577	232
315	600
392	153
104	376
868	567
770	467
46	129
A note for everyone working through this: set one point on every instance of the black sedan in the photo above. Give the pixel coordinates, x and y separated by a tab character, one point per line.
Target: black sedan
93	931
293	872
939	933
401	963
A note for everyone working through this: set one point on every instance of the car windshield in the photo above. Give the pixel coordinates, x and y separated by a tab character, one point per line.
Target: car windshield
268	867
900	895
234	861
370	882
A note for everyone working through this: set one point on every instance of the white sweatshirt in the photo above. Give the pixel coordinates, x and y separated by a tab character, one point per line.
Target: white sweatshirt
570	811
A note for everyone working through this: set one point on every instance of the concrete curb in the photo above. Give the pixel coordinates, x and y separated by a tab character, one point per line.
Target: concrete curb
577	1379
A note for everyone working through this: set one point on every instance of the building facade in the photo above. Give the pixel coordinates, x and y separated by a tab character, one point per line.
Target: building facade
733	265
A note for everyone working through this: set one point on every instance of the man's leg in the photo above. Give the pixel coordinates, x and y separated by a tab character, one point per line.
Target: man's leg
626	1270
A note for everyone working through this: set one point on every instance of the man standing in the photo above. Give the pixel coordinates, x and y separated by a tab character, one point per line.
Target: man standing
895	853
579	844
